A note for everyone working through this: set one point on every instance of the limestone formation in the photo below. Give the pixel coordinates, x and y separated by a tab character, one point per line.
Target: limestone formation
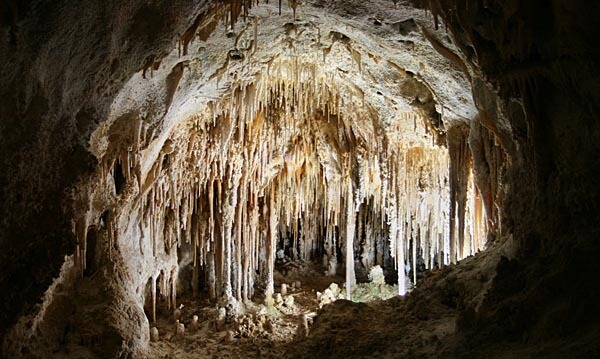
179	329
302	326
154	337
193	326
220	320
161	153
376	275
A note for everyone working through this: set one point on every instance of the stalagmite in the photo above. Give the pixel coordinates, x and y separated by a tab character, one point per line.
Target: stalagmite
220	319
278	299
177	313
154	337
302	330
179	329
153	299
193	326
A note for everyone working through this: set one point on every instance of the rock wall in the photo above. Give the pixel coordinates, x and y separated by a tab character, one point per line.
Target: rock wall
63	63
534	83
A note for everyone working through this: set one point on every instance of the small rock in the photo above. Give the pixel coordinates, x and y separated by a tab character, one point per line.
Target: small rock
283	289
268	326
376	275
335	289
262	310
280	254
229	337
154	337
302	331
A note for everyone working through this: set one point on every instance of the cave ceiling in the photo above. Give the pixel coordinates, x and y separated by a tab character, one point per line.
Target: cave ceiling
372	56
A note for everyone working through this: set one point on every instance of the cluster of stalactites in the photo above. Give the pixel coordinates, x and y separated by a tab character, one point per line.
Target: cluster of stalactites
418	208
293	161
435	216
266	162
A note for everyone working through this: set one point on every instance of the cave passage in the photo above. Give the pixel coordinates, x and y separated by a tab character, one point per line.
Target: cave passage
272	161
293	157
293	165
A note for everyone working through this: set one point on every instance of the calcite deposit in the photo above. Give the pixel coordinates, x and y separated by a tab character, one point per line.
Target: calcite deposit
173	171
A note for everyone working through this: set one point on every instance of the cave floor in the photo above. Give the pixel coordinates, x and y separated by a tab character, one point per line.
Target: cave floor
421	325
392	329
259	333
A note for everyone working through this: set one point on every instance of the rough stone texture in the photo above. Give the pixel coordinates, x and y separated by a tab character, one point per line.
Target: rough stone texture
519	77
541	56
63	63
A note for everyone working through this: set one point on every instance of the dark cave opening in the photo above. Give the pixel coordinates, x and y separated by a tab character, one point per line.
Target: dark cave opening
119	177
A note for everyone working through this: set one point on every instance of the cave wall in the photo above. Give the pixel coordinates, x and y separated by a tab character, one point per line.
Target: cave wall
535	89
55	90
535	84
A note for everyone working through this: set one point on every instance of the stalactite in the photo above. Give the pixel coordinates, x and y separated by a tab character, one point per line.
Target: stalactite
195	278
414	256
271	246
227	250
459	167
350	227
154	299
173	289
238	245
293	4
188	35
80	230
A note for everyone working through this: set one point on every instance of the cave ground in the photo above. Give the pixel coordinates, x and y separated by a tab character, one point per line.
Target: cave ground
259	332
424	324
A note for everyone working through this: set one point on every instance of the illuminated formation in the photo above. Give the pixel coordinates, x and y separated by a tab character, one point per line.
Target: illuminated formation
295	159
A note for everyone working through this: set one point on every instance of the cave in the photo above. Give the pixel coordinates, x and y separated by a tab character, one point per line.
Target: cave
299	179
